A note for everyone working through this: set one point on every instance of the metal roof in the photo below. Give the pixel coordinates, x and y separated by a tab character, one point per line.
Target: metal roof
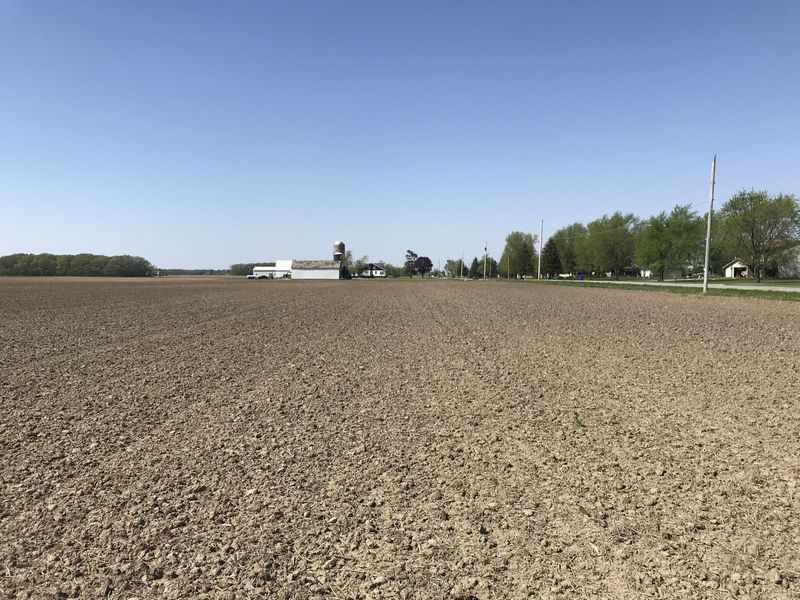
315	264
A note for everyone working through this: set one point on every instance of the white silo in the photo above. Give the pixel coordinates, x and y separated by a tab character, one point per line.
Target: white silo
338	251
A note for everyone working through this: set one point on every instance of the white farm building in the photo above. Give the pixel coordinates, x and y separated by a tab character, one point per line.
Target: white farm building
735	269
281	268
316	269
303	269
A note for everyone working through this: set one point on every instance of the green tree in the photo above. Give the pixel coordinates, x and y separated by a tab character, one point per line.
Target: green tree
671	242
360	264
64	265
113	267
8	264
519	254
423	265
762	230
551	263
24	264
473	267
587	254
567	240
653	248
86	265
134	266
455	268
44	264
492	268
392	270
611	243
410	267
687	235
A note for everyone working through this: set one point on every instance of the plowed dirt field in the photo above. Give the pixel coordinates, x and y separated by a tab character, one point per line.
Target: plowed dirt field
215	438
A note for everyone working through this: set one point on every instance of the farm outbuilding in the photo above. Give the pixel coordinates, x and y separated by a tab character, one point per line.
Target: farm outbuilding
304	269
281	268
321	269
736	269
316	269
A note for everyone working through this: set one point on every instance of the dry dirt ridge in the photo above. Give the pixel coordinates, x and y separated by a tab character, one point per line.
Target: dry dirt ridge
216	438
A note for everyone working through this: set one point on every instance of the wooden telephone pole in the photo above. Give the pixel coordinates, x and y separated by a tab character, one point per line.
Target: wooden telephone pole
708	225
485	257
541	234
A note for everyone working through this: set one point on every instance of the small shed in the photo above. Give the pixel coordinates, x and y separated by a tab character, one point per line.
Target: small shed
316	269
736	269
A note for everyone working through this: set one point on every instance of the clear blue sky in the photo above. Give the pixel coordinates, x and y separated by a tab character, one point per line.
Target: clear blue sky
199	134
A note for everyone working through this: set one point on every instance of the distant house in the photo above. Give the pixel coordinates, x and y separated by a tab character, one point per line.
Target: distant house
373	270
736	269
316	269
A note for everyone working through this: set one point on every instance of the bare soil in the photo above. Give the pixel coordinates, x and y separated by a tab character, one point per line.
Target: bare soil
219	438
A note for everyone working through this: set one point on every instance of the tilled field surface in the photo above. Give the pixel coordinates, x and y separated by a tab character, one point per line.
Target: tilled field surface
215	438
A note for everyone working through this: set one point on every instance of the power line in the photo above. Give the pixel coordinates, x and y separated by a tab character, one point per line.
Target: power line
589	234
644	189
666	177
770	171
685	193
620	228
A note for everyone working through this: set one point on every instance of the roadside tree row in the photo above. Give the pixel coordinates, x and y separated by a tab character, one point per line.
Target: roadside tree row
760	230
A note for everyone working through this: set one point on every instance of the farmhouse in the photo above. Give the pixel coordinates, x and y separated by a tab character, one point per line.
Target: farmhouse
735	269
373	270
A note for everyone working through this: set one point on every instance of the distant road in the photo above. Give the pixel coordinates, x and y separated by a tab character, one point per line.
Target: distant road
715	286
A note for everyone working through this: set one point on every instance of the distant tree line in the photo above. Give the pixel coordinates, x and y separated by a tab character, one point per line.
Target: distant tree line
245	268
457	268
84	265
194	271
519	259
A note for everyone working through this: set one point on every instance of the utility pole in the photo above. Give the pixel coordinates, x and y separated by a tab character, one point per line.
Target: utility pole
485	256
508	264
541	233
462	264
708	226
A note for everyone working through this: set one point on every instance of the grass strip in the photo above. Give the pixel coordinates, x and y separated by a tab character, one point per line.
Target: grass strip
764	294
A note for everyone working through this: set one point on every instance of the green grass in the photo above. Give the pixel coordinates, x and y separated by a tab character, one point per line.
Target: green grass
753	282
687	290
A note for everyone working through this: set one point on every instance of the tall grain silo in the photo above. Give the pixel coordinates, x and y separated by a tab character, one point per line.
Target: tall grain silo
338	251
